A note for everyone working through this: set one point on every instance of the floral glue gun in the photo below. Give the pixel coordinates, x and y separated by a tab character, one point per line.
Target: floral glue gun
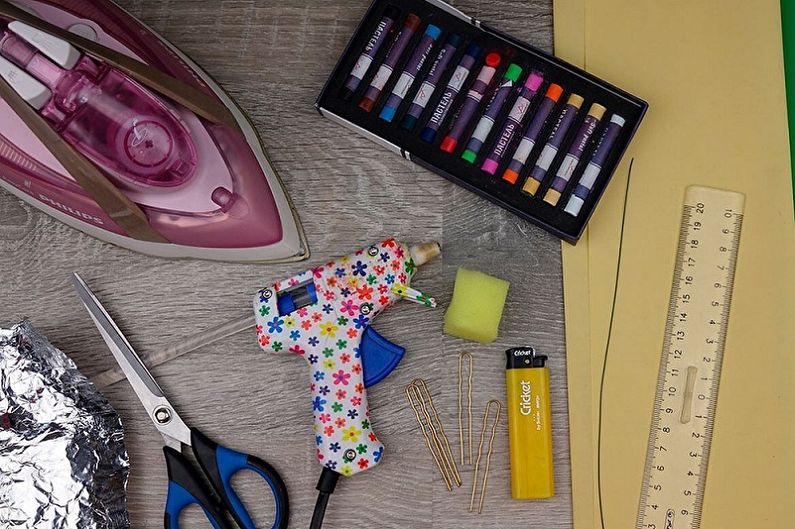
324	315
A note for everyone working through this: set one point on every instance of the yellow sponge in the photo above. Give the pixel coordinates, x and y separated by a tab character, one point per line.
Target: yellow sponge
476	309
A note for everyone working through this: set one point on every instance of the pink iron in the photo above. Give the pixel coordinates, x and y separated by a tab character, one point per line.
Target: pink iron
204	186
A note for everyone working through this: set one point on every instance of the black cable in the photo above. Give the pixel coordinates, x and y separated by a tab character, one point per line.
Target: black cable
326	484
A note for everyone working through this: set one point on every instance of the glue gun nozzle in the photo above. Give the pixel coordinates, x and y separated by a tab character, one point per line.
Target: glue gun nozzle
422	253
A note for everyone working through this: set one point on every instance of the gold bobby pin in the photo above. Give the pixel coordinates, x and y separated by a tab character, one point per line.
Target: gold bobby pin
414	398
444	442
461	357
498	405
447	462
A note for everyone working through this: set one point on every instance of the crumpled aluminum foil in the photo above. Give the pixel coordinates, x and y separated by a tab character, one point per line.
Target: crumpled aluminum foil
62	458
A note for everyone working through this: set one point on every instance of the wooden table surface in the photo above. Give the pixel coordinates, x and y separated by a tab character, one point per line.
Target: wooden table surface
273	57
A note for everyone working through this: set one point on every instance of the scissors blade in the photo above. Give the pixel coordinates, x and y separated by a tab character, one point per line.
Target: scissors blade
160	410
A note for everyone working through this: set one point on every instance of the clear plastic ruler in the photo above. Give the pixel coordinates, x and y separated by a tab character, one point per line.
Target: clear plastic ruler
687	386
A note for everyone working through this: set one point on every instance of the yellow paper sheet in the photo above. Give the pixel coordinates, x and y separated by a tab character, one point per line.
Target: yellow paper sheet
712	73
570	45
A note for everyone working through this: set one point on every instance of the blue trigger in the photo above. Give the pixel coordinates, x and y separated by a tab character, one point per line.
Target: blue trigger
379	356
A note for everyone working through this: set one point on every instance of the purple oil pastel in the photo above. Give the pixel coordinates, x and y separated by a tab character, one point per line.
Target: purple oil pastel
550	151
384	72
572	159
594	169
470	105
454	85
377	39
409	75
428	86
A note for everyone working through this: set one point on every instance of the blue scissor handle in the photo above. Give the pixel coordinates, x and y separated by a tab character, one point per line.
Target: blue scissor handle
186	487
219	465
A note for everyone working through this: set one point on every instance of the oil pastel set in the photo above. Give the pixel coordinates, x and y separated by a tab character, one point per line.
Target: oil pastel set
520	127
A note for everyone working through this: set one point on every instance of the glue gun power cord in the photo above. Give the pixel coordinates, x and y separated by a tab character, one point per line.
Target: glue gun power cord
326	484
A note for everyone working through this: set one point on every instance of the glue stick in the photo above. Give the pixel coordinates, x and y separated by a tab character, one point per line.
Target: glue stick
529	425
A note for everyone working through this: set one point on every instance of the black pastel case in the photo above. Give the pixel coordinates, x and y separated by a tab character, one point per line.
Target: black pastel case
408	144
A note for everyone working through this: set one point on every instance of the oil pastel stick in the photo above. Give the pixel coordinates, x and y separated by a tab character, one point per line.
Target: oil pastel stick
428	86
594	169
493	109
547	156
470	104
572	159
530	137
513	122
377	39
454	85
384	72
413	67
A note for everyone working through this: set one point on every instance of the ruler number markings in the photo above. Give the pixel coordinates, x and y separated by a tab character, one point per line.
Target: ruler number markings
687	384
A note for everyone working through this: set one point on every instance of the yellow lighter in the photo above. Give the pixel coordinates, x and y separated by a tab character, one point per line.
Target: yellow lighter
529	424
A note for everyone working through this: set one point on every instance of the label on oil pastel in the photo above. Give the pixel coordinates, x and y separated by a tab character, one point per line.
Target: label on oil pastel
403	85
424	95
585	135
483	129
504	140
568	166
457	81
361	67
590	175
547	156
378	35
380	79
524	150
519	109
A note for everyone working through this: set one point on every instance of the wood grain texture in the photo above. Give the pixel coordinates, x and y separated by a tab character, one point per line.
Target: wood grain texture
274	57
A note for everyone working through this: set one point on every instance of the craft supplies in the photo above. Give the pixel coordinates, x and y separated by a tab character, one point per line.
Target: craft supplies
122	136
462	358
476	308
493	109
428	86
594	169
470	105
423	420
322	315
484	483
572	159
479	130
457	80
399	45
556	137
421	402
296	316
406	79
217	464
529	424
686	397
377	39
62	456
513	122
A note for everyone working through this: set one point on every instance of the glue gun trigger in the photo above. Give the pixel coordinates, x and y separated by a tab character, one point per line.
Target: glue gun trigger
379	356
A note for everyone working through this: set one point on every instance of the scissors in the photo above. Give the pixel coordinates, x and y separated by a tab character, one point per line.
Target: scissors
218	464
